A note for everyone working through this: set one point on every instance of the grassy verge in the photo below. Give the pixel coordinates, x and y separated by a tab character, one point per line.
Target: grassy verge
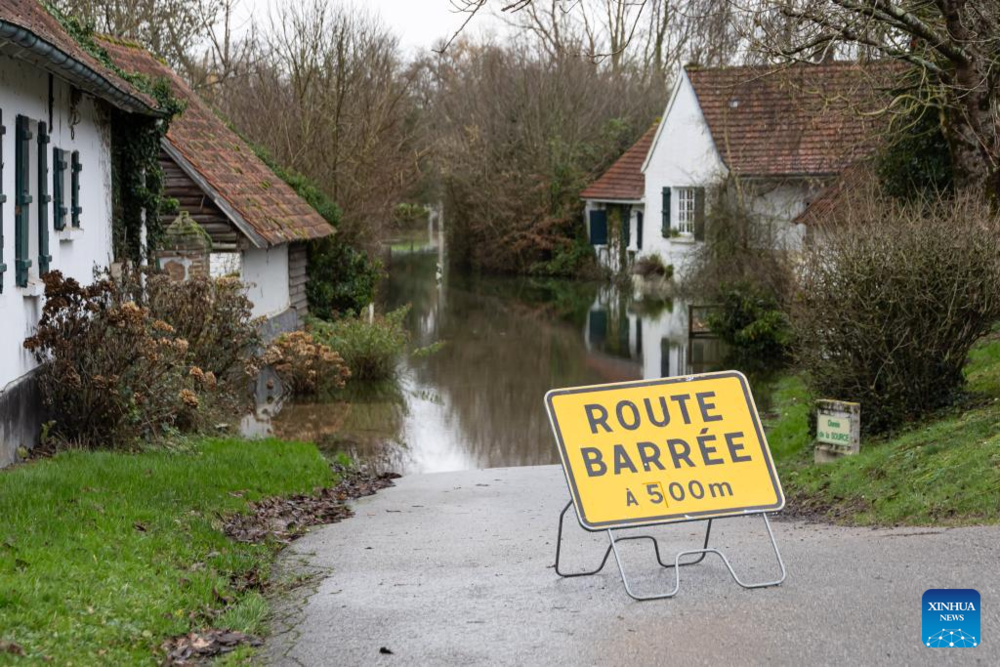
943	471
104	555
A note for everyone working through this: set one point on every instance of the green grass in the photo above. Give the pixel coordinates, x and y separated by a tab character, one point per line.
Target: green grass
103	555
942	471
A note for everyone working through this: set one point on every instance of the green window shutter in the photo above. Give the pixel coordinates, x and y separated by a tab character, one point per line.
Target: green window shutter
665	228
59	209
3	200
626	227
638	230
22	200
75	188
598	227
699	214
44	258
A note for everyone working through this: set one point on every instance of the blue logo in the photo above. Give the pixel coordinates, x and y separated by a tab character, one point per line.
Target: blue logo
951	618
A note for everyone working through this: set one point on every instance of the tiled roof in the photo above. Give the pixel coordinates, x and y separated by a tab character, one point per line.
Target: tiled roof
799	120
851	181
624	180
34	34
259	203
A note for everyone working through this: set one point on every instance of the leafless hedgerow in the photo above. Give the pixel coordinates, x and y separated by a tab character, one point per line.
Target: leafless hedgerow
893	296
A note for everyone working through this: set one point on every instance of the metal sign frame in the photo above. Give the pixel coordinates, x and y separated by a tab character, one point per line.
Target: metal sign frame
677	563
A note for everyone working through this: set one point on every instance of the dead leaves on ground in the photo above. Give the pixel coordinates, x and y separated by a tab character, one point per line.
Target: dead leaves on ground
284	519
281	520
198	647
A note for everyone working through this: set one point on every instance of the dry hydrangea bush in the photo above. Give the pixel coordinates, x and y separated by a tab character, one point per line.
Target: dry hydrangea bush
305	366
111	372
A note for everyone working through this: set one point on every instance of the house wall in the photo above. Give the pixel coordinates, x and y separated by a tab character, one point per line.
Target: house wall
607	254
80	124
266	273
24	90
683	155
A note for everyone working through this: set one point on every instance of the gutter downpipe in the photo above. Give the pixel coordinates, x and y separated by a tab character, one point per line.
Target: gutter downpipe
76	69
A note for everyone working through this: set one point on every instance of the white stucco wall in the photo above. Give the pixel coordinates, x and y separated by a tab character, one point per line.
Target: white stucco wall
266	273
684	155
24	90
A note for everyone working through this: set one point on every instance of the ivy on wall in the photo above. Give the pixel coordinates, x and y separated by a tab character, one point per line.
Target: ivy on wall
137	178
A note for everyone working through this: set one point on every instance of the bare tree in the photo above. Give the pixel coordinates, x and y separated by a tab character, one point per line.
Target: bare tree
327	94
951	48
517	132
169	28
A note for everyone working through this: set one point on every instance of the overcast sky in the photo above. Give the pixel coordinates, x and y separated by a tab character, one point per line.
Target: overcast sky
418	23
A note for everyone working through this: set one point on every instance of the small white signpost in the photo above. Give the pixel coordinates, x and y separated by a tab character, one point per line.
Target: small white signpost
838	430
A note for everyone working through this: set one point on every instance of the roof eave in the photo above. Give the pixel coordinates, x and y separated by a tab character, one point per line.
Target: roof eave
797	175
50	57
615	200
234	216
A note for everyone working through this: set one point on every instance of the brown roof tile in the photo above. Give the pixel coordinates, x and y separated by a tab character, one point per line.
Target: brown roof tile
804	119
851	182
267	204
99	80
624	180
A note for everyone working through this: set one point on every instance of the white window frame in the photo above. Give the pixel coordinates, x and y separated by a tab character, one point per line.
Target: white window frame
686	198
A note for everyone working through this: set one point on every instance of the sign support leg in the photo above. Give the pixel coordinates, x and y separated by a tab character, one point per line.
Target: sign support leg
677	563
607	553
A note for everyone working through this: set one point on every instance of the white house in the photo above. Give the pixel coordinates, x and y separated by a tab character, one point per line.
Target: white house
614	206
55	186
257	224
785	132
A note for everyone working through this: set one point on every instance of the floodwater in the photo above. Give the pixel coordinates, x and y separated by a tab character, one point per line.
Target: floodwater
477	402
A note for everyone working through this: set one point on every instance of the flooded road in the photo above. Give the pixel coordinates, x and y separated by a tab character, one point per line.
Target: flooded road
477	401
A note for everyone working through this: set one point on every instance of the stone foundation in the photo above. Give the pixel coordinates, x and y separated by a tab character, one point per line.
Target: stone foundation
21	417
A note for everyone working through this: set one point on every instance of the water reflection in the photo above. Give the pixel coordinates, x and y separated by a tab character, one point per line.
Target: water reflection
477	402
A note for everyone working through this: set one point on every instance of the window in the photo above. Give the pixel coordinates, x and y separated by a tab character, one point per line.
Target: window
686	205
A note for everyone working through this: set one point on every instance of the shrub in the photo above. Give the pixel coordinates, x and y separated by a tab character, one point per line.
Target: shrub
893	298
570	258
111	372
371	350
652	266
341	279
750	320
304	365
740	246
215	317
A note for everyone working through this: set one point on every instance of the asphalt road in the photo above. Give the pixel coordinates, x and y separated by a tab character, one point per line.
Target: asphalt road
455	569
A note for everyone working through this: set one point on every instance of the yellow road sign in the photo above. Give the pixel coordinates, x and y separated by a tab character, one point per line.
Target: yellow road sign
660	451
